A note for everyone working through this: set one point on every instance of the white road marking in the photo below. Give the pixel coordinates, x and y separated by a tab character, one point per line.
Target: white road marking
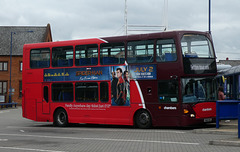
106	130
102	139
3	139
4	111
29	149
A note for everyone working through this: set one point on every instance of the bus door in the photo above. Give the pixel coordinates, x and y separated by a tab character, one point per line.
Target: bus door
168	107
46	99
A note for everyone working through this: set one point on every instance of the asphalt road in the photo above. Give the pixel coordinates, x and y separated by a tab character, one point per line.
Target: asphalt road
21	135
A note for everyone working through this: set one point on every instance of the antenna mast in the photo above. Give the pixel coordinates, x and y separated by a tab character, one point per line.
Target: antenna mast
209	16
125	18
144	27
165	16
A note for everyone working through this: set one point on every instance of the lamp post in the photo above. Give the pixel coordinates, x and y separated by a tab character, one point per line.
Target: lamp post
209	16
10	75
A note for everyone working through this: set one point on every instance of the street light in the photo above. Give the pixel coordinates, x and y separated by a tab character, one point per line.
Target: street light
209	16
10	77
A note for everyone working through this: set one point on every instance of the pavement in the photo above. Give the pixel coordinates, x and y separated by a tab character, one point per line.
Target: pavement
225	128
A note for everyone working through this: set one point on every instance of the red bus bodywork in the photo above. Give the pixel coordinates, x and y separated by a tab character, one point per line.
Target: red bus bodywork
143	93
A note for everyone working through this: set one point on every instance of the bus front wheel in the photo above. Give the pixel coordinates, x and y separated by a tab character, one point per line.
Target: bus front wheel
60	118
143	119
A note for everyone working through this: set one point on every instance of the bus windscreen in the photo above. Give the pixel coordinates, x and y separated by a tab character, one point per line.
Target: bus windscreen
198	90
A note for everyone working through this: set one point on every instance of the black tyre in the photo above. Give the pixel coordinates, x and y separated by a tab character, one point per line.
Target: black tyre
143	119
60	118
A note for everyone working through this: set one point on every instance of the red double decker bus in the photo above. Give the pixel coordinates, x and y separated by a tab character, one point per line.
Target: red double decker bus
158	79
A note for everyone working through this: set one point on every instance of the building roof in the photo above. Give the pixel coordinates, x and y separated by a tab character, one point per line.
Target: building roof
22	35
230	62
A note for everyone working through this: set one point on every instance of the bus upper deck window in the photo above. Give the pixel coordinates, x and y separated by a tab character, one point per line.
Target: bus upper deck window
86	55
140	51
40	58
113	53
62	56
196	46
166	50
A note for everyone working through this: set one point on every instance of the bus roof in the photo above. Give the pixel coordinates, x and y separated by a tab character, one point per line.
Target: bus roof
164	34
64	43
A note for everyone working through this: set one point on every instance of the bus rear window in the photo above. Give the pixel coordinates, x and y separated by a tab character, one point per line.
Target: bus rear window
40	58
196	46
140	51
112	53
62	56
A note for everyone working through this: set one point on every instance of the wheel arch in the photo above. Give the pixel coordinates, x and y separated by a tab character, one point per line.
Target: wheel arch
58	108
56	111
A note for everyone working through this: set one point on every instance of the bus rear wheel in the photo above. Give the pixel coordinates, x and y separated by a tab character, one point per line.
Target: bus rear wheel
143	119
60	118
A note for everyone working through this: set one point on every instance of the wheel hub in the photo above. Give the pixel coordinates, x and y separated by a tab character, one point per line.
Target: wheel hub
144	118
62	118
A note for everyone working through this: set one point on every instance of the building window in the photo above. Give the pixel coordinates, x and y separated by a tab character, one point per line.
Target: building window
20	67
20	89
3	66
3	87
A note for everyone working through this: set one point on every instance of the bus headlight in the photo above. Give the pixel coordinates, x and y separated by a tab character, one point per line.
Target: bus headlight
192	115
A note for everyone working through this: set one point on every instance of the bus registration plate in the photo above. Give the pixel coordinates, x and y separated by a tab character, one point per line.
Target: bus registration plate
208	120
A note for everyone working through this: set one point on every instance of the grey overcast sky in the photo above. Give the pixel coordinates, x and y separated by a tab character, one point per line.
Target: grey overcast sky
77	19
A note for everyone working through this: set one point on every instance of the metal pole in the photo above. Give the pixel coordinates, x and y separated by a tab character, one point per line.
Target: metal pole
166	14
239	120
217	114
209	17
125	18
10	77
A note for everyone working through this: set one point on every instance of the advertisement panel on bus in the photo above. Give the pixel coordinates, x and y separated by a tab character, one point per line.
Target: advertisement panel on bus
119	76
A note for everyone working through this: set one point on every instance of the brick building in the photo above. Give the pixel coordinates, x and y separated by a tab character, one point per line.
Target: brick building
17	36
